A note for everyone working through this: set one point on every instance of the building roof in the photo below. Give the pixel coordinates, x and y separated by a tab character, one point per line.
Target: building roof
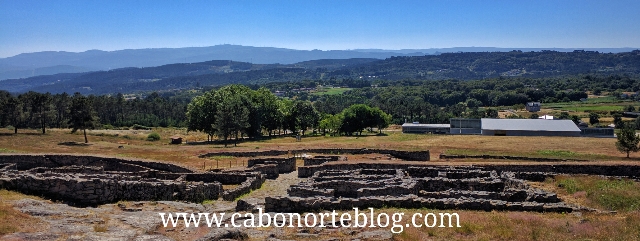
427	125
529	125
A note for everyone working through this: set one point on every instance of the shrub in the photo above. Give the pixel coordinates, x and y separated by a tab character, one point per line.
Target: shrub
153	136
10	127
107	127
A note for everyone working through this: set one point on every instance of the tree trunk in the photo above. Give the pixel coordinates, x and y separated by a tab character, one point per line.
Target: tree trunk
85	135
235	143
15	130
628	154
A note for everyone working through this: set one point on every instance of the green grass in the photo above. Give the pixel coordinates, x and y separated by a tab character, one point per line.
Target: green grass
592	104
601	100
6	150
593	108
221	157
331	91
615	195
557	153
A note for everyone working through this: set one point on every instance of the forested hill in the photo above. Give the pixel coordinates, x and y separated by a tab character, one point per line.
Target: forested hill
461	66
479	65
173	76
52	62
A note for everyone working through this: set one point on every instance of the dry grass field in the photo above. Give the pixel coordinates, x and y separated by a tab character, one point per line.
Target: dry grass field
133	144
607	195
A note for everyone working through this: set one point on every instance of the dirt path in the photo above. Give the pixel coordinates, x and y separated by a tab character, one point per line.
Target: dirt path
277	187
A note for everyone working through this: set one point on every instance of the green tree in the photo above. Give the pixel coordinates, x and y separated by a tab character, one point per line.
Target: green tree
357	118
40	108
491	113
575	119
232	117
381	119
534	116
201	113
331	123
594	118
82	115
617	120
304	115
627	140
564	115
13	114
630	108
473	103
269	110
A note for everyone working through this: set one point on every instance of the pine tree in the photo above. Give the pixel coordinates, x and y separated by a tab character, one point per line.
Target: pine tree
82	115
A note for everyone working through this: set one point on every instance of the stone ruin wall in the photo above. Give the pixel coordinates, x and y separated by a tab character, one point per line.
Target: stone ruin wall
415	187
92	180
99	188
404	185
504	157
535	171
25	162
284	165
317	160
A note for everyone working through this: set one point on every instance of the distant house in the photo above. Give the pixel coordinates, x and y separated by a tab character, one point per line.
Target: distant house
547	117
533	106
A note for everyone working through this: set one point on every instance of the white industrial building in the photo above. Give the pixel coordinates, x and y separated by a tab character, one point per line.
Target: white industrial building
528	127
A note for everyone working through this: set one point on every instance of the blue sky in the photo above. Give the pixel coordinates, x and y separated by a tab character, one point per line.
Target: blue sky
31	26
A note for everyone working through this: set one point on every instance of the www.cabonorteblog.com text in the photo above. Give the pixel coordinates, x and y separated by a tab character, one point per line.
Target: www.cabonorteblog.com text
357	219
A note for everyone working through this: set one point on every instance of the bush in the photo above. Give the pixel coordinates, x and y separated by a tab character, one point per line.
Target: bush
10	127
107	127
153	136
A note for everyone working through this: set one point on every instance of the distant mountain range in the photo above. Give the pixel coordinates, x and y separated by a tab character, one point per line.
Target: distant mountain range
460	66
52	62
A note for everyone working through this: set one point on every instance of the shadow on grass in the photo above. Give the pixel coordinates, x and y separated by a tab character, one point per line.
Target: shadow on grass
230	142
73	143
242	140
19	133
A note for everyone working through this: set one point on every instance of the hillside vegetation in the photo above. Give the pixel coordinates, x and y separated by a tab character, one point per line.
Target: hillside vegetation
459	66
